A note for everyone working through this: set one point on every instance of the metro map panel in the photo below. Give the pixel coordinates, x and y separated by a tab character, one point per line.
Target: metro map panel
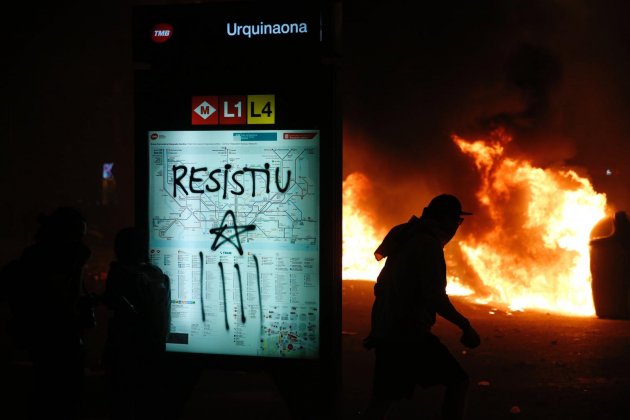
234	223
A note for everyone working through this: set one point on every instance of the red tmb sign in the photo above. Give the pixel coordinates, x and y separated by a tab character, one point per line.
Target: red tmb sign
161	32
205	110
233	110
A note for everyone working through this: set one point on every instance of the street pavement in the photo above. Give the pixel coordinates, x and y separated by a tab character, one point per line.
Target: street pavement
530	365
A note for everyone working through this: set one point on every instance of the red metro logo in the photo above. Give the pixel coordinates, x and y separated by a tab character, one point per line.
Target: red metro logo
161	32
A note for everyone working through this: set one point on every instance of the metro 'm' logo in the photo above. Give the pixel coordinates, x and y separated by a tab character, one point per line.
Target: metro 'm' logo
161	32
204	110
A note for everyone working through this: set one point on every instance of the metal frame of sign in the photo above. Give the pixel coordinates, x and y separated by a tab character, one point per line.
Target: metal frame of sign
182	51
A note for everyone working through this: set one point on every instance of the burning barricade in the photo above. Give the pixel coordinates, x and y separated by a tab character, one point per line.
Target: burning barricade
531	250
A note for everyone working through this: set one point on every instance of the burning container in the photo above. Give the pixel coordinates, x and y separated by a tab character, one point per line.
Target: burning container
610	268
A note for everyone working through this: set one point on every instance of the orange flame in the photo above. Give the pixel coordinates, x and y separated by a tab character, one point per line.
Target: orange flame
360	239
536	255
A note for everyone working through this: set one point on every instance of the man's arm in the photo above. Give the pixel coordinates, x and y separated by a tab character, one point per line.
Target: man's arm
436	291
446	310
469	337
431	268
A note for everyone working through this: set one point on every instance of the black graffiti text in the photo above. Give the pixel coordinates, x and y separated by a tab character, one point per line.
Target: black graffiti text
216	181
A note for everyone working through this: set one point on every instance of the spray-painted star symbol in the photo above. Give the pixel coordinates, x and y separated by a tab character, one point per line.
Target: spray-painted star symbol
234	239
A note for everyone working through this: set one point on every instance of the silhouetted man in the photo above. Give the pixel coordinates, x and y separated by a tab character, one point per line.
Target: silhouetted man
46	320
138	294
410	290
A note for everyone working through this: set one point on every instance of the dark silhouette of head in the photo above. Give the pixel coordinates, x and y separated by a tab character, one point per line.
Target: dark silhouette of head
129	245
446	210
64	224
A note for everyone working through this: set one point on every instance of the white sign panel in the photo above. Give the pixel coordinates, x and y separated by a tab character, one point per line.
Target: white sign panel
234	223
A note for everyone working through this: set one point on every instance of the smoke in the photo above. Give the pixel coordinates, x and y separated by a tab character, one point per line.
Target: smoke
551	73
402	184
535	71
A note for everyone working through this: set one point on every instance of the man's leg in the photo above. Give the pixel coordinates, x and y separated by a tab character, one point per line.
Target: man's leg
391	380
454	405
440	367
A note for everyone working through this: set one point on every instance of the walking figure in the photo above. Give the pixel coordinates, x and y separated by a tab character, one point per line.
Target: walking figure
410	291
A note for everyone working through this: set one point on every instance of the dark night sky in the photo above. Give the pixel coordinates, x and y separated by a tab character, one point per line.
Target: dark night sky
554	72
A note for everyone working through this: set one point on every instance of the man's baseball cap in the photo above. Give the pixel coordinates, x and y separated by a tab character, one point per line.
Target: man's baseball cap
446	205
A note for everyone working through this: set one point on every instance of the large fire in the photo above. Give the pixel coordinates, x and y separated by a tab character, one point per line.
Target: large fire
535	254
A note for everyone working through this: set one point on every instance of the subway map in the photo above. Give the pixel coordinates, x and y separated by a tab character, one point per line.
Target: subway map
234	223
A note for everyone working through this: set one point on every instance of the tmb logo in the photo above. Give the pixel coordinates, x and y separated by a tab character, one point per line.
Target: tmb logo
161	32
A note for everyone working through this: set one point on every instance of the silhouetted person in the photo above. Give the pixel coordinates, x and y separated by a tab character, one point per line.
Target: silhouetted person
410	290
46	320
138	293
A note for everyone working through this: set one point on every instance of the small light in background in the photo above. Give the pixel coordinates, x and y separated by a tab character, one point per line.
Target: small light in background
108	185
107	170
609	172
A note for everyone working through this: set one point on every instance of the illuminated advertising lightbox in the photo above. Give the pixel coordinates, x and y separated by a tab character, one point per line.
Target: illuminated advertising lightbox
234	221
